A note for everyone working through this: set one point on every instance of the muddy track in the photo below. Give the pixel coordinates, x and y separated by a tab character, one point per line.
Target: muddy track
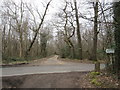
56	80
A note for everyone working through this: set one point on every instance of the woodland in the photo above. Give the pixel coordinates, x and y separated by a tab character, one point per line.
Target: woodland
77	30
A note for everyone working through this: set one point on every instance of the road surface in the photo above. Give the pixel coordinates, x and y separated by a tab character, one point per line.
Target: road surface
51	65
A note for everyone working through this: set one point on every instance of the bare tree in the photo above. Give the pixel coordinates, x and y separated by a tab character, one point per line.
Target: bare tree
37	30
95	30
68	37
78	31
117	38
18	18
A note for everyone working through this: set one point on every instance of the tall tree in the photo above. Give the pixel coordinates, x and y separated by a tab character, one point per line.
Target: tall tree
78	31
117	37
44	36
69	36
95	30
37	30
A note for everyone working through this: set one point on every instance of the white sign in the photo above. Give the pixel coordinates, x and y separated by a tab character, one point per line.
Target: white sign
110	51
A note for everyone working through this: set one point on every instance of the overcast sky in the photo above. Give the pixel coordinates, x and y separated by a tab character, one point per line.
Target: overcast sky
55	4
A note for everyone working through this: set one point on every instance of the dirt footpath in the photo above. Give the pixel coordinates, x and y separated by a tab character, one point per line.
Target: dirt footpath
58	80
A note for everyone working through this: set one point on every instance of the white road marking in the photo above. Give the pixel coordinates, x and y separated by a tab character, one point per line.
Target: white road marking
43	73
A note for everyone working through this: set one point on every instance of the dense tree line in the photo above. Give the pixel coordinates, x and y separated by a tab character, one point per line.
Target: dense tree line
96	33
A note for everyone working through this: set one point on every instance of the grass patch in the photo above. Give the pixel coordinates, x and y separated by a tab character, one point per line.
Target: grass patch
18	60
94	80
13	60
94	74
102	80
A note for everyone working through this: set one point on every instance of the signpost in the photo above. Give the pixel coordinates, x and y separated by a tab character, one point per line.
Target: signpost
110	54
110	51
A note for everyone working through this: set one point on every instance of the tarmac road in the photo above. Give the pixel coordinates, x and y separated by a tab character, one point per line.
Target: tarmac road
51	65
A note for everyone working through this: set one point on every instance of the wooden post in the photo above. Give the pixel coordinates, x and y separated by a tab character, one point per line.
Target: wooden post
97	66
108	62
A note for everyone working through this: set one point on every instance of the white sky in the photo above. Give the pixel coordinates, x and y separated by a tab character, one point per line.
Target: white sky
55	7
55	4
37	4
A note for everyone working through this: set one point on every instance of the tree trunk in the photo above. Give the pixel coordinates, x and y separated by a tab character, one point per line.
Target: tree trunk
71	47
117	37
21	44
97	66
3	41
78	31
72	51
95	31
